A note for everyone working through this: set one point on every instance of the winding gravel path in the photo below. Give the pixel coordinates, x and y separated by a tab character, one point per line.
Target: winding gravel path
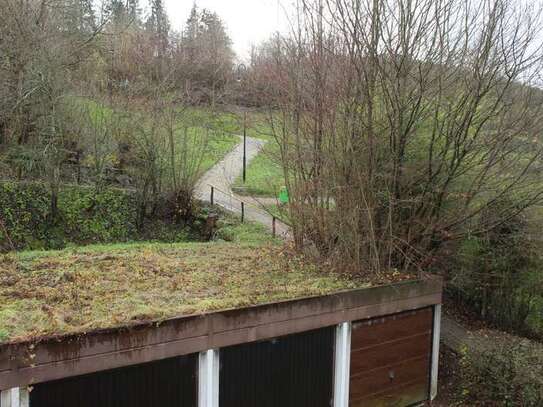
222	177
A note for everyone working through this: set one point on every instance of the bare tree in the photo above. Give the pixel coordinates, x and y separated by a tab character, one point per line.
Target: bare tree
187	144
42	43
399	122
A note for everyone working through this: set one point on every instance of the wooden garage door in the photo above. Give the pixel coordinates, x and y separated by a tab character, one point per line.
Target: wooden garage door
390	359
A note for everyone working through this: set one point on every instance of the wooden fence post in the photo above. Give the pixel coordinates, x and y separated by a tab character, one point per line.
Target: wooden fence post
273	226
212	195
242	212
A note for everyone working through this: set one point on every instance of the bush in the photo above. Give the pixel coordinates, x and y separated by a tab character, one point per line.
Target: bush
24	212
508	374
90	216
498	274
85	216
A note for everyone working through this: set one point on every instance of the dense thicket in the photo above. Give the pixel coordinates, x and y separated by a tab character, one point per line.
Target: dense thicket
400	123
99	92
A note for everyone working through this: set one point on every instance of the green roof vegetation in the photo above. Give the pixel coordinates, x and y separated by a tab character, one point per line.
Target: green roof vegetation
77	290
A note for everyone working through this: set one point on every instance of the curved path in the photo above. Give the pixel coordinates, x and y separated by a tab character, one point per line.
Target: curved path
222	177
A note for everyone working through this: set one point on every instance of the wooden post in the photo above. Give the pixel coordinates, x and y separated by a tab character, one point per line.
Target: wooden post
273	226
242	212
212	195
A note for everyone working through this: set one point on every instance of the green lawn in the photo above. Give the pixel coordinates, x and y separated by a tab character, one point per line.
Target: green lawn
264	174
201	131
231	230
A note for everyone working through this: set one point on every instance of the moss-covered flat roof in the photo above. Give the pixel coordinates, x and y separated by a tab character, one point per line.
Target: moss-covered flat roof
83	289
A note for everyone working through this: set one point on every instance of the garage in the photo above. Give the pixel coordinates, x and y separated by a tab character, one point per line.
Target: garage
169	382
291	371
391	359
365	347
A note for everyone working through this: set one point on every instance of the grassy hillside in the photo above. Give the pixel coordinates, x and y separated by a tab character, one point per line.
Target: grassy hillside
196	128
264	174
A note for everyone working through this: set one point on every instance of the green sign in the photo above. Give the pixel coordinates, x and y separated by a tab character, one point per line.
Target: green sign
283	196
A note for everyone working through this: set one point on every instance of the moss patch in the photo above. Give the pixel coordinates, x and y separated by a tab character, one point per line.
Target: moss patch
81	289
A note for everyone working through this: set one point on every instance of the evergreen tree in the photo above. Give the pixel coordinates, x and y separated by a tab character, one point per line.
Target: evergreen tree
133	10
191	33
115	10
77	17
87	16
159	26
207	47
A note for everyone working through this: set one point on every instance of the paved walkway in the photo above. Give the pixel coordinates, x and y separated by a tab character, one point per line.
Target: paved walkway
222	177
455	336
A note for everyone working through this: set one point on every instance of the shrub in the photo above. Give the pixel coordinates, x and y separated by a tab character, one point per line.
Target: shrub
24	212
498	274
510	373
89	216
85	215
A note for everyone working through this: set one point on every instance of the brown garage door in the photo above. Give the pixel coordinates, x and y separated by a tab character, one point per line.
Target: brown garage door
390	359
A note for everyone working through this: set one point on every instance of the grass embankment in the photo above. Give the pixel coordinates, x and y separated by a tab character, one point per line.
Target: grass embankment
81	289
193	125
231	230
264	174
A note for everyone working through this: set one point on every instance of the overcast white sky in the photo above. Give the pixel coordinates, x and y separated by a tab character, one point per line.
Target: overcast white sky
248	21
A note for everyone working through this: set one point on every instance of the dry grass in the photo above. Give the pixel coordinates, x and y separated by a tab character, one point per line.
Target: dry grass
78	290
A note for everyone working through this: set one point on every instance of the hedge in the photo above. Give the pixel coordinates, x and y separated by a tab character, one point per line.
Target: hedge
89	216
24	213
85	216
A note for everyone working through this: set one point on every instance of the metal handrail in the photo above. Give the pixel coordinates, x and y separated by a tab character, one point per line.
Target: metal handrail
244	203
